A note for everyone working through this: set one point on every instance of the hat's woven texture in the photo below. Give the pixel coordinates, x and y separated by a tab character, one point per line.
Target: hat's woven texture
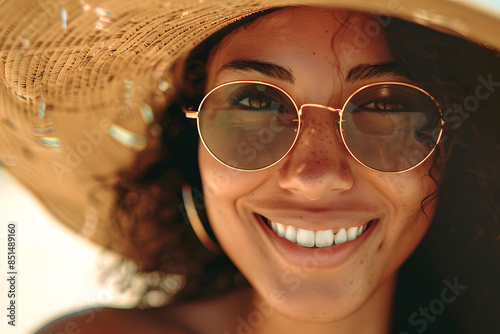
83	81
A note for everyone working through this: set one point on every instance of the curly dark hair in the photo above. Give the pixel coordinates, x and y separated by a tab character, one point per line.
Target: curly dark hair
462	242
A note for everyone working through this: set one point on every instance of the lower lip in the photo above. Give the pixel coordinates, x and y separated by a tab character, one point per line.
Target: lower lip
314	257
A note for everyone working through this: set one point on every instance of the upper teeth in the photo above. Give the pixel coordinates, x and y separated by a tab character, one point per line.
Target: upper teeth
325	238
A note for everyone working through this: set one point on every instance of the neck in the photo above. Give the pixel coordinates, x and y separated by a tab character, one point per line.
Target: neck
373	317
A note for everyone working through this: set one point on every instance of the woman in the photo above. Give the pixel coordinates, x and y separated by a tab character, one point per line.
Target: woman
330	141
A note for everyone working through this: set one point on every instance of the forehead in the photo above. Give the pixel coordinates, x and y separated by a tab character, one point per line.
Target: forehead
313	37
287	26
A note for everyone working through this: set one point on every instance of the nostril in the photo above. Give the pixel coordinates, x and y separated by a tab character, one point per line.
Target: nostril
315	184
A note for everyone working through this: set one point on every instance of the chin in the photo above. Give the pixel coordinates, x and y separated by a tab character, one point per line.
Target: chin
316	299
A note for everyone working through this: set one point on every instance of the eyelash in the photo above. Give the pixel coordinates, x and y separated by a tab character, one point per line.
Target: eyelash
387	100
237	97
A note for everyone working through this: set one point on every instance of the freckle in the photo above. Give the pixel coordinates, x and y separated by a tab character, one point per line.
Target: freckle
314	53
317	162
326	31
362	261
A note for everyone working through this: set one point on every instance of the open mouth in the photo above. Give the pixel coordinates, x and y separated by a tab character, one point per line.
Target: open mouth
314	238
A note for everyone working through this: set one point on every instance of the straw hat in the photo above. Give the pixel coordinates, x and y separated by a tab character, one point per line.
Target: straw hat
82	83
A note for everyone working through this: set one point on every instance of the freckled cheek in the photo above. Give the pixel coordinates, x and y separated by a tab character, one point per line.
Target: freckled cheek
216	182
216	178
406	192
224	183
407	224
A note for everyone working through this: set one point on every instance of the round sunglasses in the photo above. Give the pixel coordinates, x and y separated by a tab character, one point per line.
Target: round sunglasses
385	126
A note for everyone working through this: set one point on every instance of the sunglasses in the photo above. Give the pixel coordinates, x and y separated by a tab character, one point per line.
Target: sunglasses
385	126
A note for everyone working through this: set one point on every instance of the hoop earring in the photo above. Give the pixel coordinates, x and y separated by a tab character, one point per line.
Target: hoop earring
196	223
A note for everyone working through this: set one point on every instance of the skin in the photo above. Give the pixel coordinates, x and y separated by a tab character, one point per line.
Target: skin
318	185
318	180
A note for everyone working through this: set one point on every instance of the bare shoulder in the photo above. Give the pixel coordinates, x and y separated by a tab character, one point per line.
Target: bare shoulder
213	315
109	320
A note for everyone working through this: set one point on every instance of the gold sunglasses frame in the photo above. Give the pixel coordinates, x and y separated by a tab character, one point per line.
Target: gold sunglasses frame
195	115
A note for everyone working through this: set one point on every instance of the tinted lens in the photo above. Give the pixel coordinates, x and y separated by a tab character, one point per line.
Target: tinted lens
248	125
391	127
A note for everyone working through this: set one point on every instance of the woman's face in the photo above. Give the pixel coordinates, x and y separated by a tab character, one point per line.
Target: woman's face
318	185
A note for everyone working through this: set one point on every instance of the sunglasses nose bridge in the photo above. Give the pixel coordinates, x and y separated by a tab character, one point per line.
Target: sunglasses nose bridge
313	106
320	106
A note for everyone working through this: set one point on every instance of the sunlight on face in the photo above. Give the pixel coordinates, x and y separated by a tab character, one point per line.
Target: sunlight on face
318	186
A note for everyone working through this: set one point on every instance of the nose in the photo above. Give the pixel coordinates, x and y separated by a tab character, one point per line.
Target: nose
318	164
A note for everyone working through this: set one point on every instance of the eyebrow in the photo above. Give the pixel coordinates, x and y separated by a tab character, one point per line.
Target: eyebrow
268	69
358	72
369	71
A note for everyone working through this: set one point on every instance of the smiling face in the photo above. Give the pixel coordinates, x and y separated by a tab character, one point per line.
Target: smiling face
375	217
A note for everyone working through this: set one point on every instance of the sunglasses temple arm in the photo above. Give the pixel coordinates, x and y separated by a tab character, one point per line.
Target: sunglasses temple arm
191	114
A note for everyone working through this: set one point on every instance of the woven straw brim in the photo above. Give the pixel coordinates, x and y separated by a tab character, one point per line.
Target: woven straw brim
82	81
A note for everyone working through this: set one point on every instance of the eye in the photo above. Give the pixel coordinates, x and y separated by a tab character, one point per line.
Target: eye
258	98
256	102
387	104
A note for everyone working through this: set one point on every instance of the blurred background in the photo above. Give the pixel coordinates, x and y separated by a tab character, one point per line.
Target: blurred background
58	271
